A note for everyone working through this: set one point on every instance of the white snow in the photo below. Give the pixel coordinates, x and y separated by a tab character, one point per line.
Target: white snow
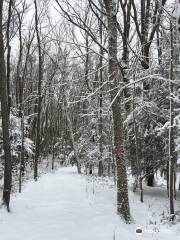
65	206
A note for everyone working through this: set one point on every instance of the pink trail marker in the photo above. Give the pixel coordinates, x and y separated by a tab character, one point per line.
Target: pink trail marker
119	152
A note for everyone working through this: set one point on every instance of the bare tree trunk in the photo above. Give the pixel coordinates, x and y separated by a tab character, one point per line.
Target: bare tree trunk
122	189
126	10
22	163
100	164
8	51
138	159
40	76
19	97
141	188
167	170
53	153
171	135
5	119
19	64
174	182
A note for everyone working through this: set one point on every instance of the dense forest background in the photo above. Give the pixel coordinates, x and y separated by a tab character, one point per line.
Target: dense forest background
93	83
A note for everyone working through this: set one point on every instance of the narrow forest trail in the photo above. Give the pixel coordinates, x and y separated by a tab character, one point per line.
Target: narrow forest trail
66	206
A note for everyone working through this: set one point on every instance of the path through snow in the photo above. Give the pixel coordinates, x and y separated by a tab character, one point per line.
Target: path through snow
66	206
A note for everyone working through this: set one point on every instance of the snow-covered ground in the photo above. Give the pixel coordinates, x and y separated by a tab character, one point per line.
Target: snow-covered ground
65	206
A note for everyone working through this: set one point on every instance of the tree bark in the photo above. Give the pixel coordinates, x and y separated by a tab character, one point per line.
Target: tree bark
40	76
5	119
22	162
100	163
171	133
122	189
9	51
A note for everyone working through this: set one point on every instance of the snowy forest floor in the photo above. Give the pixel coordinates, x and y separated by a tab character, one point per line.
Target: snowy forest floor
65	206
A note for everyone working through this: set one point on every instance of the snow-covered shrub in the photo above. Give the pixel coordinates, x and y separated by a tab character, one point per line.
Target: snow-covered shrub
16	140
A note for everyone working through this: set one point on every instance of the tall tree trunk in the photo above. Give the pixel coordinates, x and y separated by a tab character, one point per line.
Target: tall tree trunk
100	163
167	177
122	189
171	133
40	76
20	93
22	162
19	64
8	51
5	119
126	10
138	170
53	150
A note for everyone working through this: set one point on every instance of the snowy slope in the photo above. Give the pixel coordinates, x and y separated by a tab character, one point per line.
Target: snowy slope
65	206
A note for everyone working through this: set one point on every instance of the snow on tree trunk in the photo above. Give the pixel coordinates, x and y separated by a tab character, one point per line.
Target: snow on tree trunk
122	190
